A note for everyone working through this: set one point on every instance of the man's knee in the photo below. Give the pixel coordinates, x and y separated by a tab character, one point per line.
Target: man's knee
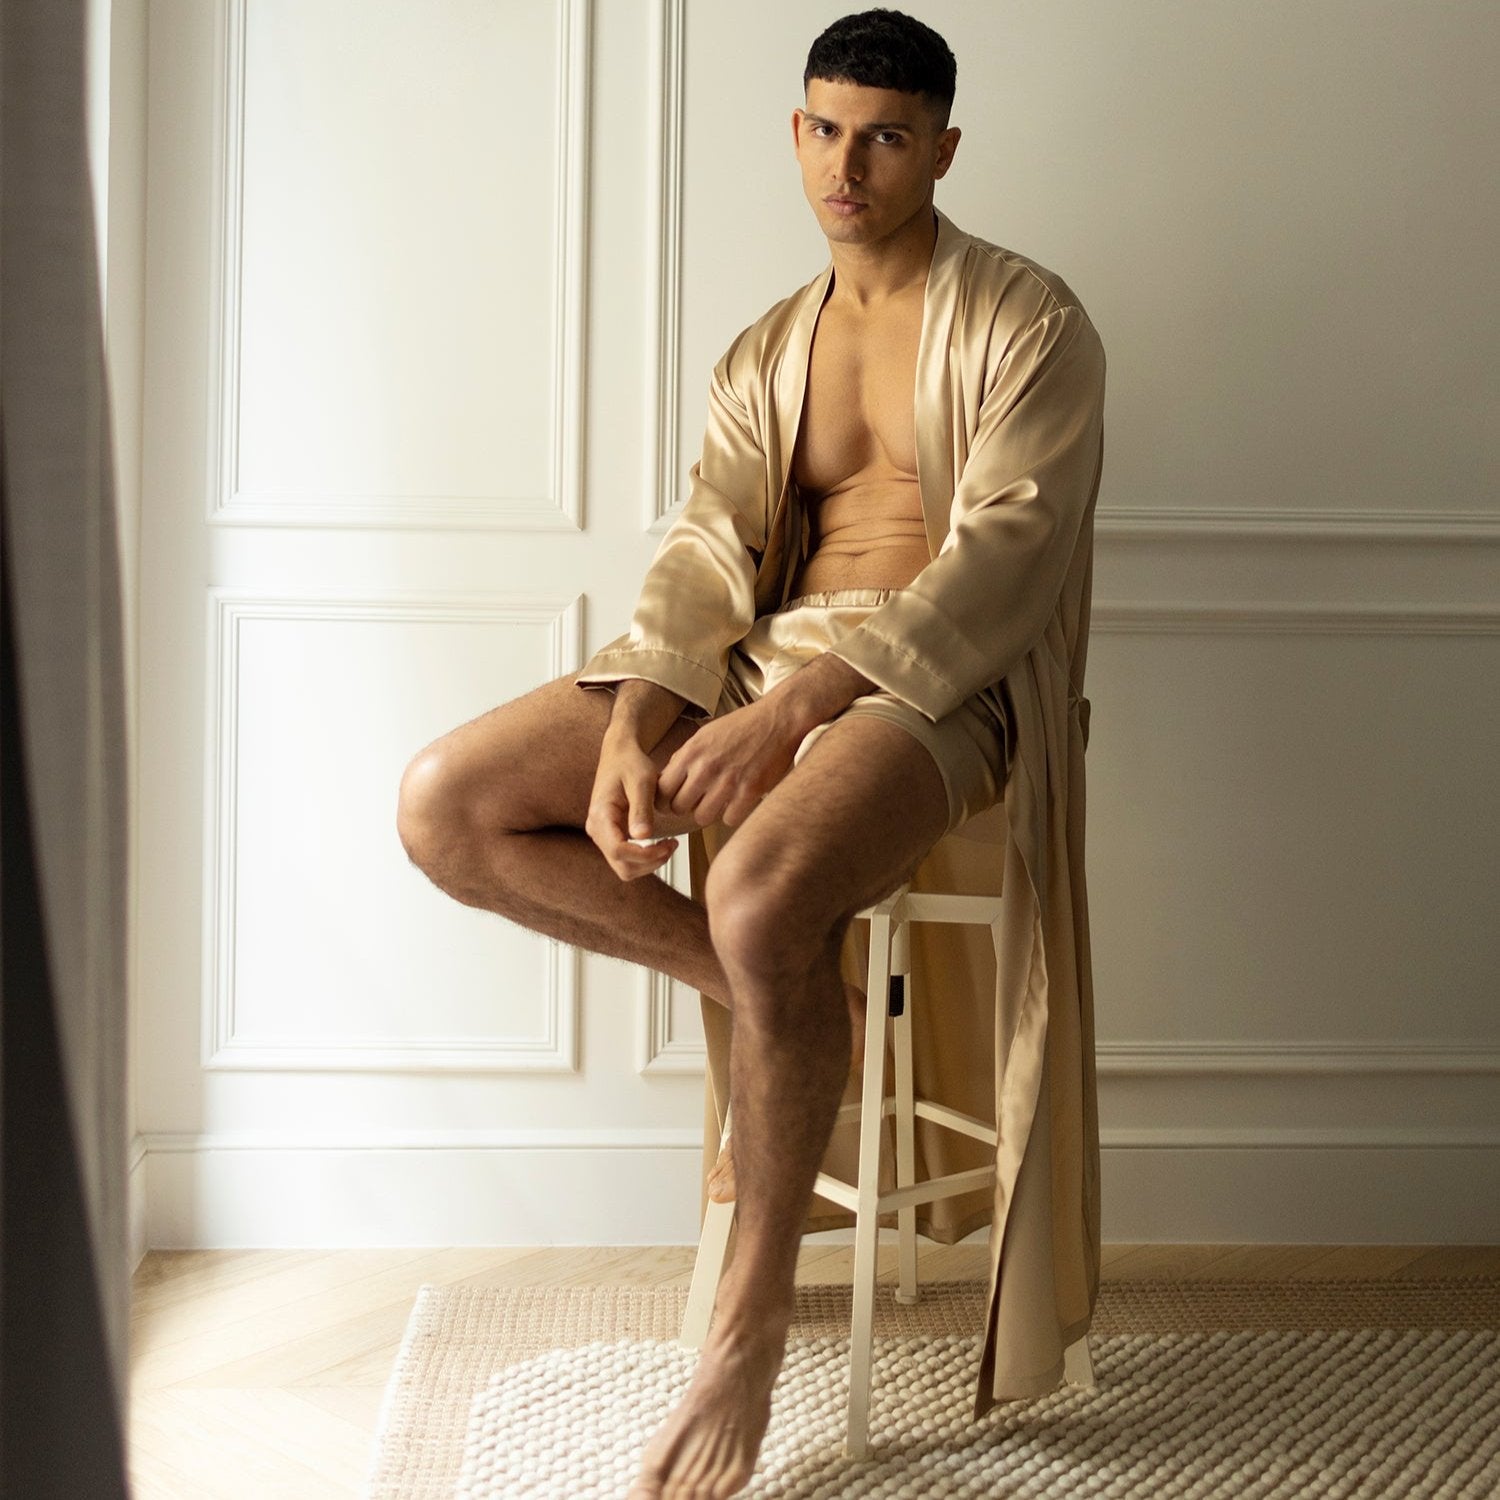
525	765
431	808
765	917
461	787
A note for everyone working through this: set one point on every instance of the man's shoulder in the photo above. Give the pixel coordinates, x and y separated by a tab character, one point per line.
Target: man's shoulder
756	346
995	276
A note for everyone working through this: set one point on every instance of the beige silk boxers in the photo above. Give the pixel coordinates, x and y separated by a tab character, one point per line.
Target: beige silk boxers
967	745
1009	420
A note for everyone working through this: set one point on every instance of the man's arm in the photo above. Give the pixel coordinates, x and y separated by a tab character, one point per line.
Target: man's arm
698	596
721	772
730	764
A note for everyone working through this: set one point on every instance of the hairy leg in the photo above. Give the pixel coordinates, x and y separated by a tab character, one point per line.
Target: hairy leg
493	813
721	1179
842	830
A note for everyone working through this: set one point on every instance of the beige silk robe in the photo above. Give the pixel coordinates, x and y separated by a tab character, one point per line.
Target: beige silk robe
1009	428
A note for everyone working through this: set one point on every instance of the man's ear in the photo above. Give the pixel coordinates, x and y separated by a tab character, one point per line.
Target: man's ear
947	144
797	127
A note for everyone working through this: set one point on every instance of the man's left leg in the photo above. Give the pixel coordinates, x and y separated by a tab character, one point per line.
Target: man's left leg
842	830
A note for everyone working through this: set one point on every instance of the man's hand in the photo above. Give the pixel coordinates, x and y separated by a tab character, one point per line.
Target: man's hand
730	764
622	803
620	809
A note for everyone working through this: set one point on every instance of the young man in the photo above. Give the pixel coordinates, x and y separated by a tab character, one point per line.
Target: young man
867	625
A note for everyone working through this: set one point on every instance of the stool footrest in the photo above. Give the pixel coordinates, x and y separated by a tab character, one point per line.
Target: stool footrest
836	1190
923	1109
846	1194
953	1119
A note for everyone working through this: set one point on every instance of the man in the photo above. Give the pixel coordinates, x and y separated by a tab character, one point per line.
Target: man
866	626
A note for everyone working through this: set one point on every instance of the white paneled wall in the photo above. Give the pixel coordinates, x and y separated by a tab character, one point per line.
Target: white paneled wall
432	294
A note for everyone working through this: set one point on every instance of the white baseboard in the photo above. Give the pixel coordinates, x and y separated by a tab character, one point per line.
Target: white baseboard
1298	1195
206	1192
135	1202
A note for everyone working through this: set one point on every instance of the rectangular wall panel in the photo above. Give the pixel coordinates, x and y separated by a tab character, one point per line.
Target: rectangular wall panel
327	948
1291	832
401	300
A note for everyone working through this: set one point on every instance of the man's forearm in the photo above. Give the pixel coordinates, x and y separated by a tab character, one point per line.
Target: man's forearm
644	711
818	692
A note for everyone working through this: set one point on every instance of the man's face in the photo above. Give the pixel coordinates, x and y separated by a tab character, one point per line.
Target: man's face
869	158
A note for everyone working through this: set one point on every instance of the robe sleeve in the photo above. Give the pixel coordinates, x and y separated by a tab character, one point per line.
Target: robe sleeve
973	613
698	596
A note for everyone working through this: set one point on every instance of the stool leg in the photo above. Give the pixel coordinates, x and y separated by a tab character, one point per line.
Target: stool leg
708	1266
1078	1368
867	1216
906	1167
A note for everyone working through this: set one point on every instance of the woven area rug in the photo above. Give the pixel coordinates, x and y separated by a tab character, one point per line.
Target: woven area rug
1238	1389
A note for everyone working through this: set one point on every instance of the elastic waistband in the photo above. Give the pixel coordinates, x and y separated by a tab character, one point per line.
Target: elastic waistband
836	598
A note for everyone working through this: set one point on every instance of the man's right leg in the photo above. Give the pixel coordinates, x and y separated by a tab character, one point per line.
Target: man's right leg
493	813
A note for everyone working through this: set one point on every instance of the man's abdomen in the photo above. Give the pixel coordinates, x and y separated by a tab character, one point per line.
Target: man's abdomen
863	535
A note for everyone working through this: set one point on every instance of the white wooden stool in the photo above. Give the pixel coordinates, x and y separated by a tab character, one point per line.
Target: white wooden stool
890	968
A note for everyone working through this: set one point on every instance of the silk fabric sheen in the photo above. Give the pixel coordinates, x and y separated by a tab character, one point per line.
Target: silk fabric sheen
1009	424
968	745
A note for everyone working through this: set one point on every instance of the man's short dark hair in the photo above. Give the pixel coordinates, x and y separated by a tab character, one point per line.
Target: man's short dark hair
885	49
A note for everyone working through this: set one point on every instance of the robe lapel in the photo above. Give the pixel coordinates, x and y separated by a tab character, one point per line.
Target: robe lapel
933	398
784	534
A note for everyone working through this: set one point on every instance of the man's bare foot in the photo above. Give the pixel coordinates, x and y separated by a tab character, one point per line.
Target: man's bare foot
721	1178
707	1447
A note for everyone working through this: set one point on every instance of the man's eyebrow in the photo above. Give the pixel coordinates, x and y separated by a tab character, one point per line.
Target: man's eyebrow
873	125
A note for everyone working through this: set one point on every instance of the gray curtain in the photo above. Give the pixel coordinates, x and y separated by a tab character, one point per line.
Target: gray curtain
64	1277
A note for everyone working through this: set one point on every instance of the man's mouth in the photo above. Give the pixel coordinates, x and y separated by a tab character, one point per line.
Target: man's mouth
845	206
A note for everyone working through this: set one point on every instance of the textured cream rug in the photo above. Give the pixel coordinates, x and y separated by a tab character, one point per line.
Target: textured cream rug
1233	1389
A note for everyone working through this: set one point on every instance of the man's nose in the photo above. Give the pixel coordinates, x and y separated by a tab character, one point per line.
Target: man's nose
850	163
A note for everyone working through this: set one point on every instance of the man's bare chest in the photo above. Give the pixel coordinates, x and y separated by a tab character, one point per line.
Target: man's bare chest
857	418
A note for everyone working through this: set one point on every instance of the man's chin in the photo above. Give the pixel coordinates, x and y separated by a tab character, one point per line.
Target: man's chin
858	229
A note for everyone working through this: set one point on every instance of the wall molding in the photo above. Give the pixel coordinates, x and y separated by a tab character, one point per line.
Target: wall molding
664	374
1184	523
660	1053
657	1050
225	1044
561	509
1273	1060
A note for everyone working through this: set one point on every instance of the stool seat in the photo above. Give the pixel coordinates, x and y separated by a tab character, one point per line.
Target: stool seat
890	969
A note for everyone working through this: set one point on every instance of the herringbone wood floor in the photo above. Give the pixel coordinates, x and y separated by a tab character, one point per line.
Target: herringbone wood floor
258	1374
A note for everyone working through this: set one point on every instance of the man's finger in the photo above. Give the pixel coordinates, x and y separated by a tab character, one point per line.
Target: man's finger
605	826
631	861
641	792
672	775
711	806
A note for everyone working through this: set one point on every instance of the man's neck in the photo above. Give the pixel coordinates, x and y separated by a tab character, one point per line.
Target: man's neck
866	274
